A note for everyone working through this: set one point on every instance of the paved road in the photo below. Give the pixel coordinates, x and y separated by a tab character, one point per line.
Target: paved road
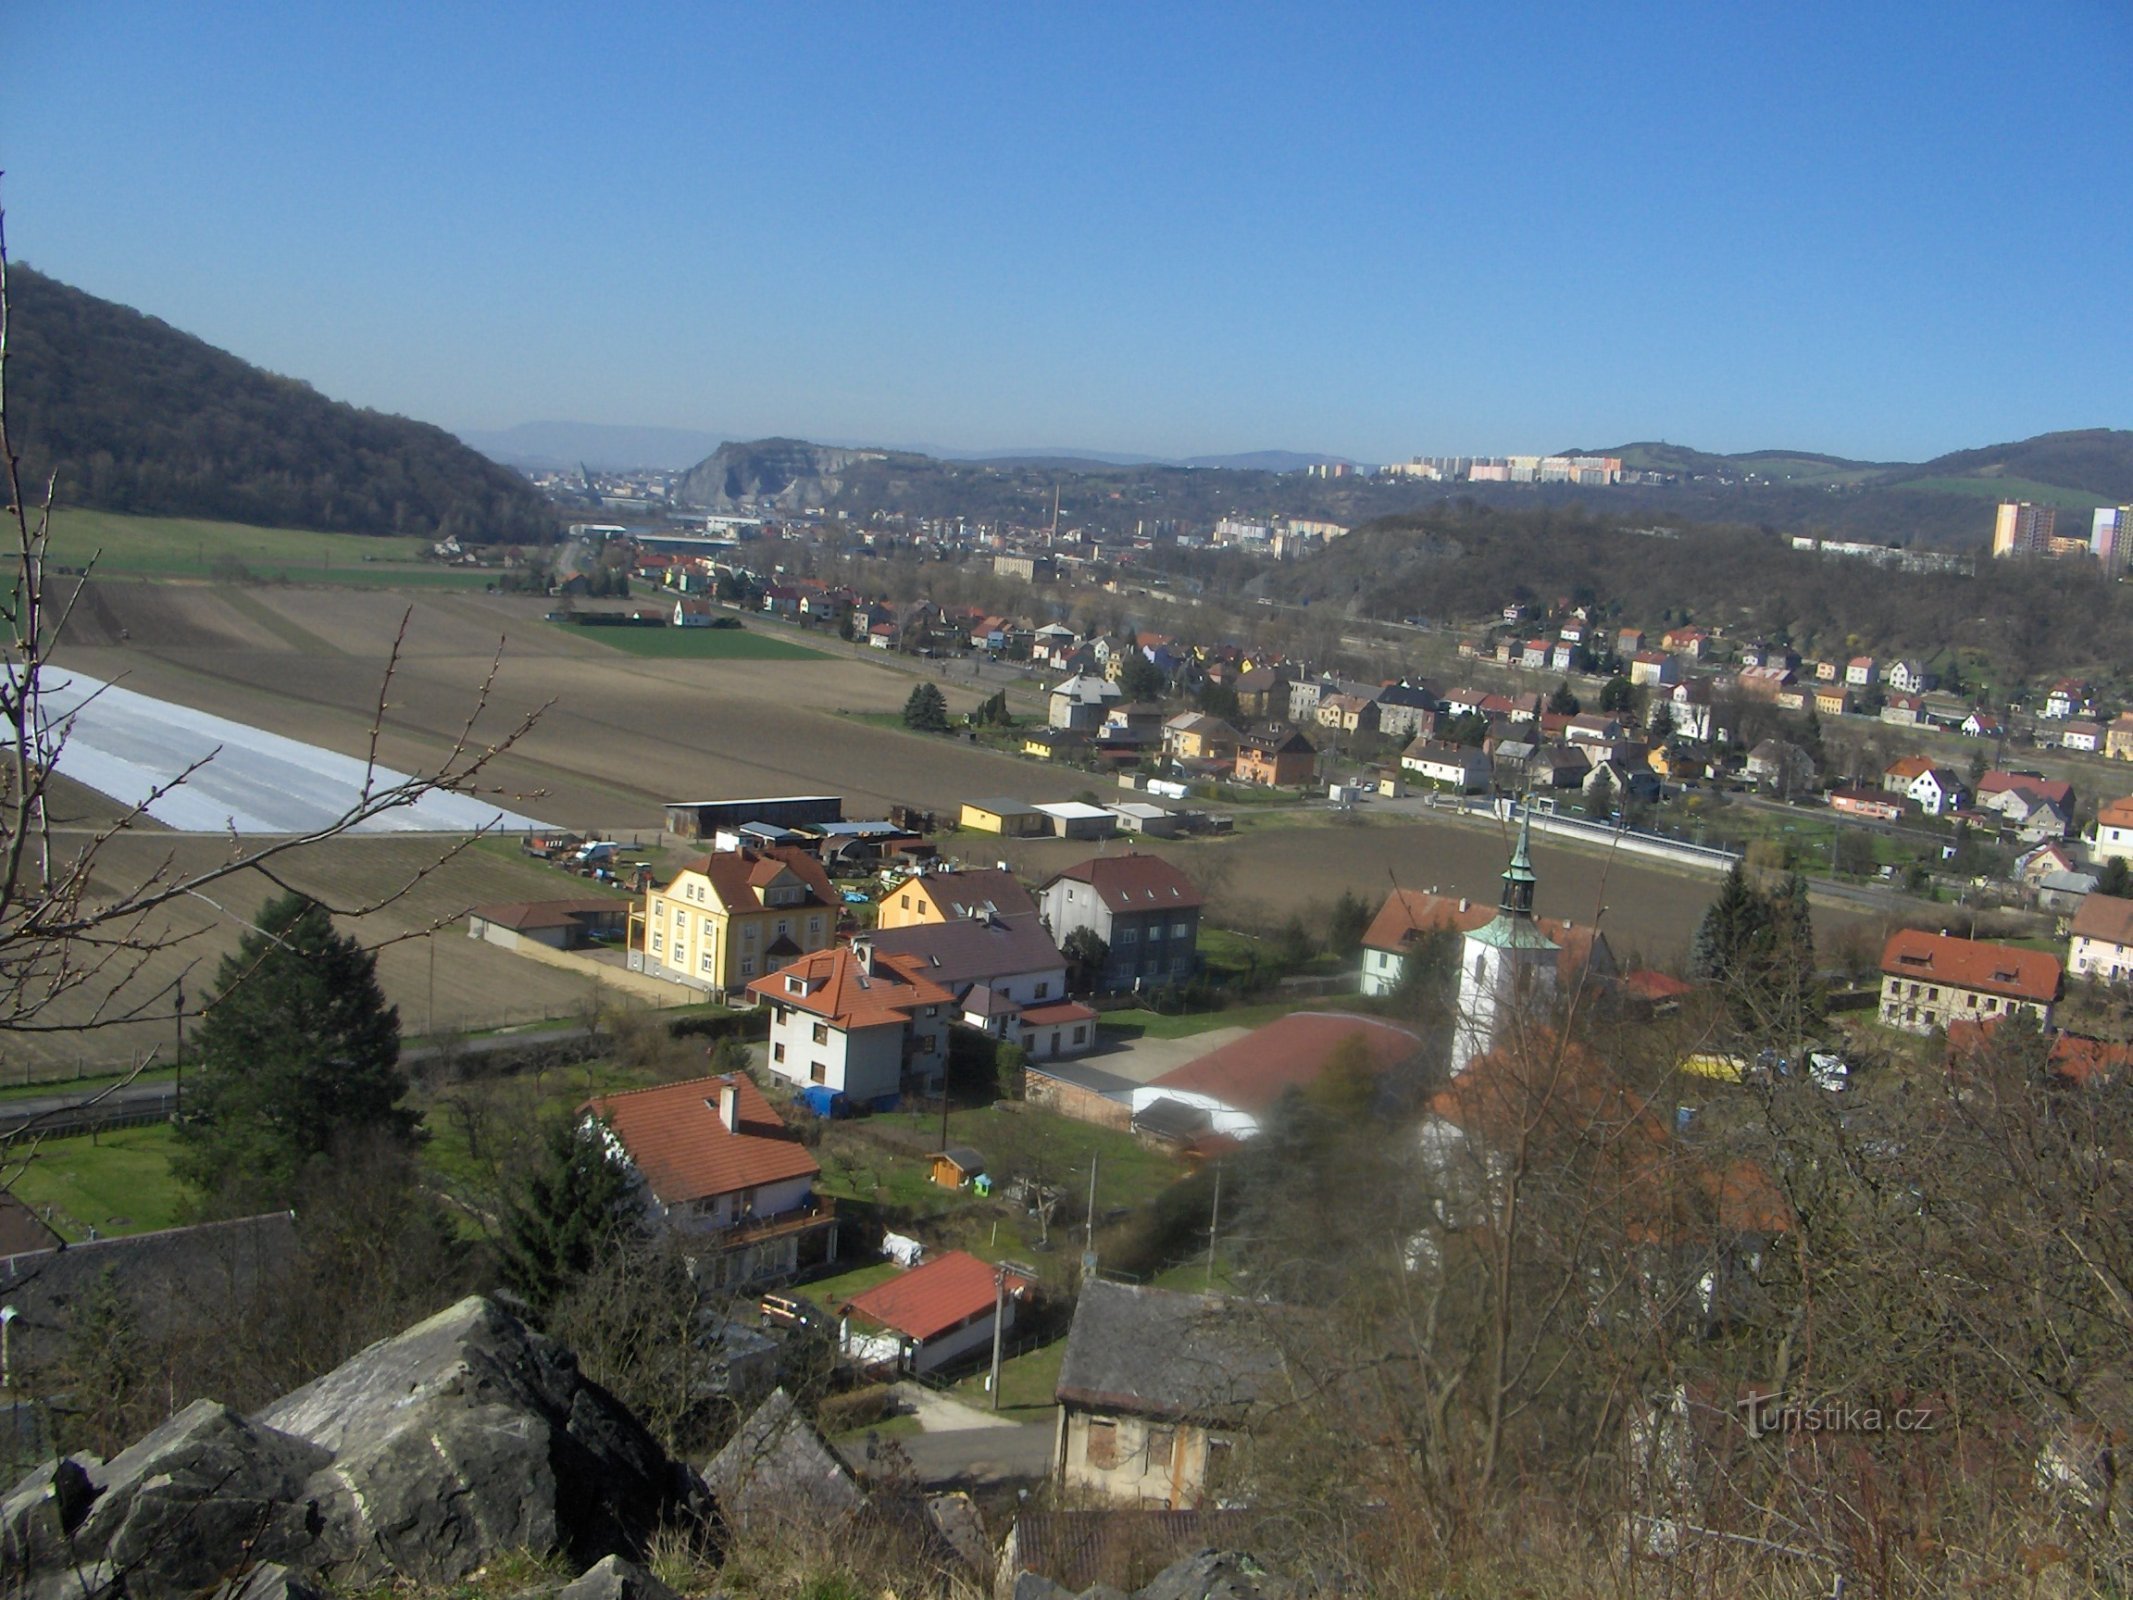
968	1458
80	1110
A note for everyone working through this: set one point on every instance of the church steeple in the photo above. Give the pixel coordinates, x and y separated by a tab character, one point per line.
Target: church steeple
1518	880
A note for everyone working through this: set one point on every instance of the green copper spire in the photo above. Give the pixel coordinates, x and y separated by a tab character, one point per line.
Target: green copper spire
1518	877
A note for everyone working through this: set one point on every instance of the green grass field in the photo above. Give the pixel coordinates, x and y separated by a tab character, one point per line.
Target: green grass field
188	547
1138	1022
116	1182
696	644
2013	489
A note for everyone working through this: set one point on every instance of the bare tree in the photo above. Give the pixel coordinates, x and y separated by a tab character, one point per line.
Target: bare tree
75	926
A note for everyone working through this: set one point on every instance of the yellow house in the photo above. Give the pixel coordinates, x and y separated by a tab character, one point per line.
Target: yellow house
1012	819
729	918
955	896
1196	736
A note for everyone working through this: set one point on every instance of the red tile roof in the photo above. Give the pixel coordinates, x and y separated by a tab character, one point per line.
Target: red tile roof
1407	912
929	1300
1254	1072
1970	964
738	876
836	986
2073	1059
1135	882
675	1139
1061	1011
2052	791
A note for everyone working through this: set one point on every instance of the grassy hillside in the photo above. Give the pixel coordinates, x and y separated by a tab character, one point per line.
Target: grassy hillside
125	546
133	415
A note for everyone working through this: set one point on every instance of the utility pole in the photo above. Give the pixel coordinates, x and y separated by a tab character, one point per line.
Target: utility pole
999	1328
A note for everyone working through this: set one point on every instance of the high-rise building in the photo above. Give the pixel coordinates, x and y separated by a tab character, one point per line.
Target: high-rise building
2023	528
2109	534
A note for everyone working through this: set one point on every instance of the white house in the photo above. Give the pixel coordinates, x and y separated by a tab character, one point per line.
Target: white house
2102	942
1937	790
846	1024
2114	831
1458	767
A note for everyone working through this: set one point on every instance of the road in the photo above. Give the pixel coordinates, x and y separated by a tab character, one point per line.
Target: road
961	1447
123	1104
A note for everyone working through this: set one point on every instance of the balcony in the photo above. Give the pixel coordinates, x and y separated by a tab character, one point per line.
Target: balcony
818	1211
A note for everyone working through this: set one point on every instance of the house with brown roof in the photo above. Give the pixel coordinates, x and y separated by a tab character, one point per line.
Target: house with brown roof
1196	736
2114	830
2037	807
940	1311
1278	757
2101	945
715	1161
1007	975
1408	914
1146	912
726	919
1233	1089
1929	980
1156	1389
955	896
856	1026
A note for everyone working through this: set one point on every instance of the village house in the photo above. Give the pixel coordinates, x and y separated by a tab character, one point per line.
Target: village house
1909	677
1008	817
848	1026
1628	642
2069	697
1262	692
2118	737
1782	768
692	612
1938	791
954	896
1348	713
1533	654
1654	667
727	918
1861	672
1406	711
1078	705
2101	942
715	1162
1156	1389
1196	736
2114	830
1459	768
1833	702
2080	734
1903	710
558	924
2036	807
1690	642
1006	975
1898	776
1929	980
1146	912
1985	725
1276	757
1688	711
937	1313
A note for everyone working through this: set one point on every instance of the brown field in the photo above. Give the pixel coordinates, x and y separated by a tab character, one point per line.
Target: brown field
624	733
1256	879
476	985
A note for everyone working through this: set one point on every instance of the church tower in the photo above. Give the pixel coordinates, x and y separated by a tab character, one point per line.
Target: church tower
1505	966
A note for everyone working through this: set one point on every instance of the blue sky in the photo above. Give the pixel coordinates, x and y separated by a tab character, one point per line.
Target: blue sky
1875	230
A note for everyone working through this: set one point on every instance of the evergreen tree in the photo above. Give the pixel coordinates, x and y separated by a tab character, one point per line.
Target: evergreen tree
298	1053
1729	930
1347	923
927	709
1563	703
1600	798
575	1203
1142	679
1618	695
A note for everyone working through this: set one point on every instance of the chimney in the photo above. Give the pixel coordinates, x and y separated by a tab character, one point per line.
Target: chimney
1463	903
729	1105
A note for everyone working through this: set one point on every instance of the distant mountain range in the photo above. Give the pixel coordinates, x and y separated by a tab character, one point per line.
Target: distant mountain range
607	447
1945	502
133	415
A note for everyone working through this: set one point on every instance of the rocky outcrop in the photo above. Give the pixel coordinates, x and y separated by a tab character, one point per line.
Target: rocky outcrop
423	1456
770	474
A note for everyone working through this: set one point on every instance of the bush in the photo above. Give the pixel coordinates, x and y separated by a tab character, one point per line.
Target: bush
855	1408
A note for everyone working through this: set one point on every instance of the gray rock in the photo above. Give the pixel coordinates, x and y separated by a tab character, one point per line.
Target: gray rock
39	1512
469	1435
269	1581
616	1578
1216	1575
201	1494
1029	1586
777	1466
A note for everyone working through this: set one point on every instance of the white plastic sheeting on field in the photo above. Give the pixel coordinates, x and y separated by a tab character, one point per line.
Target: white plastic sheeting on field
125	745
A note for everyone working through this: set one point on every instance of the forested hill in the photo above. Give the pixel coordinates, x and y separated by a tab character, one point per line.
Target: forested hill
136	416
